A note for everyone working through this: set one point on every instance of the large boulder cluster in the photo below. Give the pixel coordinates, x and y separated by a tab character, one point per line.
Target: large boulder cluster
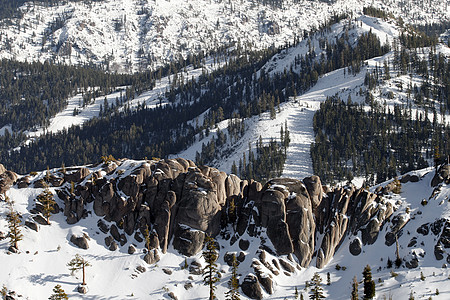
180	203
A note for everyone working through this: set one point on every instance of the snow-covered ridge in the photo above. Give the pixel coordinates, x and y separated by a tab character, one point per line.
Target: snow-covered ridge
133	35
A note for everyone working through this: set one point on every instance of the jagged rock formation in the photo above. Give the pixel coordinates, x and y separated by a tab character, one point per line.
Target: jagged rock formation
180	203
7	178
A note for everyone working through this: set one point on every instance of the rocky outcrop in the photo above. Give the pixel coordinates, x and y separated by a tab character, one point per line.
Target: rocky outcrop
251	288
7	179
442	175
180	203
79	241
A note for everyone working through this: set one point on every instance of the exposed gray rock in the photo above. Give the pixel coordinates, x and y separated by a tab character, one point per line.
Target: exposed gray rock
77	176
228	258
32	225
23	182
82	289
424	229
195	268
188	242
114	231
40	220
413	263
79	241
167	271
141	269
102	226
113	246
7	179
108	240
355	247
151	257
199	207
314	187
241	257
251	288
131	249
442	175
244	244
286	266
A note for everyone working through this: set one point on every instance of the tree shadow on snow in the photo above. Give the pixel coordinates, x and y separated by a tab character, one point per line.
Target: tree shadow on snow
42	279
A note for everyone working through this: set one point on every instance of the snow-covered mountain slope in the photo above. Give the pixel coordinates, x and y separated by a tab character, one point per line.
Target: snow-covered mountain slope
41	263
133	35
299	111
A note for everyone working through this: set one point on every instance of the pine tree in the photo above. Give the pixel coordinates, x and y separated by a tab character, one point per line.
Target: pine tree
78	263
147	238
316	290
328	278
211	276
47	201
296	293
354	289
233	283
58	293
369	284
411	296
13	219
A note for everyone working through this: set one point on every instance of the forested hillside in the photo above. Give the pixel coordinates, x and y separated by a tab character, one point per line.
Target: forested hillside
235	90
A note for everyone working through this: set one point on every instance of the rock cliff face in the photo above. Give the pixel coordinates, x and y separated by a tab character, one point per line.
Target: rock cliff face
181	203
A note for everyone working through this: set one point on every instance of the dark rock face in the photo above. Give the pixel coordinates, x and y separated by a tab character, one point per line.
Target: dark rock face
7	179
23	182
32	225
181	203
251	288
40	220
442	175
355	247
79	241
188	242
244	244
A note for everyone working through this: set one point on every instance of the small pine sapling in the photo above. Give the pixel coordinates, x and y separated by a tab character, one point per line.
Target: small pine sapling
369	284
328	278
58	293
46	199
14	225
233	283
147	238
211	276
422	277
78	263
316	290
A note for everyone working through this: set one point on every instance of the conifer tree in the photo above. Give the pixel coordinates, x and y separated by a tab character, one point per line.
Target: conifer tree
147	238
316	290
233	283
211	276
78	263
354	289
296	293
14	225
47	201
369	284
58	293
